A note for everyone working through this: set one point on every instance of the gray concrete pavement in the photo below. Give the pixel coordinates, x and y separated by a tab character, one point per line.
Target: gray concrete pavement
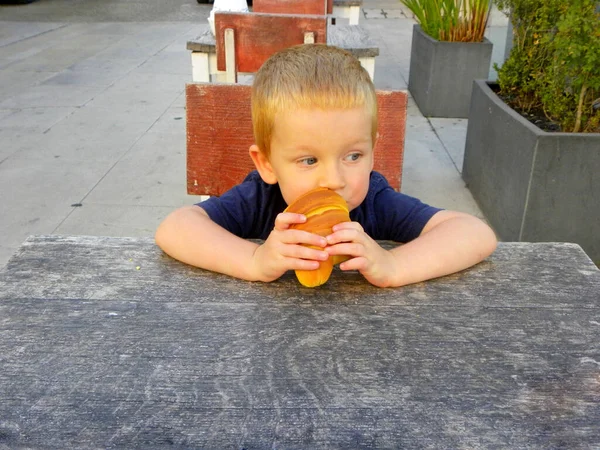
92	115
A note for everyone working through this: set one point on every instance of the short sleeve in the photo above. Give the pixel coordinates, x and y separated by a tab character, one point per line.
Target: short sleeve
389	215
405	216
247	210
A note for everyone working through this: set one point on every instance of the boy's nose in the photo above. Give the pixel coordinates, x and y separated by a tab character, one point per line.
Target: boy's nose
332	178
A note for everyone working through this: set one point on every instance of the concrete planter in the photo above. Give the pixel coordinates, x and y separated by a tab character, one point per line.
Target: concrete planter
441	73
532	185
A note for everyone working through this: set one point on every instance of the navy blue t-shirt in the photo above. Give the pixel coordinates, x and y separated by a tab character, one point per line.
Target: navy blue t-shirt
249	209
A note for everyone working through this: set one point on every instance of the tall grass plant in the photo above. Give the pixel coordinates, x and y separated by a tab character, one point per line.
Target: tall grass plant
452	20
554	65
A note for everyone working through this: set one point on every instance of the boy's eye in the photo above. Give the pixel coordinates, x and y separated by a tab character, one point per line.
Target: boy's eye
308	161
353	157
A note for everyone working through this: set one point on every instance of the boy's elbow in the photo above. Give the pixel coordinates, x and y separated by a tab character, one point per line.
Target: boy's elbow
168	228
176	224
484	237
489	240
161	233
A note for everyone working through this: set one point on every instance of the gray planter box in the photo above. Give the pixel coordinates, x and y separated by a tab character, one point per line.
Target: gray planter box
532	185
441	73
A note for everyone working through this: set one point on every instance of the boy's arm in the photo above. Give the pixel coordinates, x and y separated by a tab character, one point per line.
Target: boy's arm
450	241
189	235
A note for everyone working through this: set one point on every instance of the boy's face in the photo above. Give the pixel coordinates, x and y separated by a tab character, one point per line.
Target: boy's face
313	148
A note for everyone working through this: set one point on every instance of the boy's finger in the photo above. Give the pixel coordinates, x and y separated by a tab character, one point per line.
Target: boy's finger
303	237
285	219
302	264
359	263
348	226
306	253
346	248
344	235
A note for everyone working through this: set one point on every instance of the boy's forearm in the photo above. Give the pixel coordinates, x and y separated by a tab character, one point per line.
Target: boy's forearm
190	236
453	245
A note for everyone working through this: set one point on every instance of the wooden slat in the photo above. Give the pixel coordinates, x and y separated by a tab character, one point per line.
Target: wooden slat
258	36
219	134
389	149
230	61
318	7
516	276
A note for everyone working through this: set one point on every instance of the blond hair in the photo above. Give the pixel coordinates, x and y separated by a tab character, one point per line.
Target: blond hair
309	76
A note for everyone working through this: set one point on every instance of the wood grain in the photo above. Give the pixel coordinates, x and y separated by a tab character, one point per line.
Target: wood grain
108	343
317	7
353	38
259	36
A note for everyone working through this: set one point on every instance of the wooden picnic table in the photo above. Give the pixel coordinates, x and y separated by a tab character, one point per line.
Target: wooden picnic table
109	343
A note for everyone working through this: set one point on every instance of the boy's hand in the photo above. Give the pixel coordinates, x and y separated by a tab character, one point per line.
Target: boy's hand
375	263
283	249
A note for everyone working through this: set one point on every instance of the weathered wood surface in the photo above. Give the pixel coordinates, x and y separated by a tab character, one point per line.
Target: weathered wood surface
219	134
342	4
259	36
345	3
107	342
204	42
353	38
301	6
290	6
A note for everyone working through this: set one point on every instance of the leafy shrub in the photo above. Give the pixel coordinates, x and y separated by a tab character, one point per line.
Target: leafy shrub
554	65
451	20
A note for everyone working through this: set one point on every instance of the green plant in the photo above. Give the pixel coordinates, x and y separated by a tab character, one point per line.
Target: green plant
554	65
452	20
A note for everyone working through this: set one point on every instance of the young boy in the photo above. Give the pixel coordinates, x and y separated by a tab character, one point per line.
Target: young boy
314	113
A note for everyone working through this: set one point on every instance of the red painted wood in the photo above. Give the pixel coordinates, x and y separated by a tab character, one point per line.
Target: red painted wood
258	36
219	134
389	148
318	7
329	6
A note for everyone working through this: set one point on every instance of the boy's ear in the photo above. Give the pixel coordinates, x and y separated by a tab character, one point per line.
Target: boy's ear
262	164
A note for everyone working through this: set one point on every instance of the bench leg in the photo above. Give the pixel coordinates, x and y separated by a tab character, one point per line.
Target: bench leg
216	76
230	63
354	15
204	69
369	64
200	67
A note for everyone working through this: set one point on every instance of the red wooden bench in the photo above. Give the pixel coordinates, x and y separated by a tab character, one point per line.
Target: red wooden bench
319	7
219	134
343	8
245	40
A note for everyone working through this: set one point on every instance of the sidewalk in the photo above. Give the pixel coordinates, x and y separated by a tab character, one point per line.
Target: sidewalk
92	115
